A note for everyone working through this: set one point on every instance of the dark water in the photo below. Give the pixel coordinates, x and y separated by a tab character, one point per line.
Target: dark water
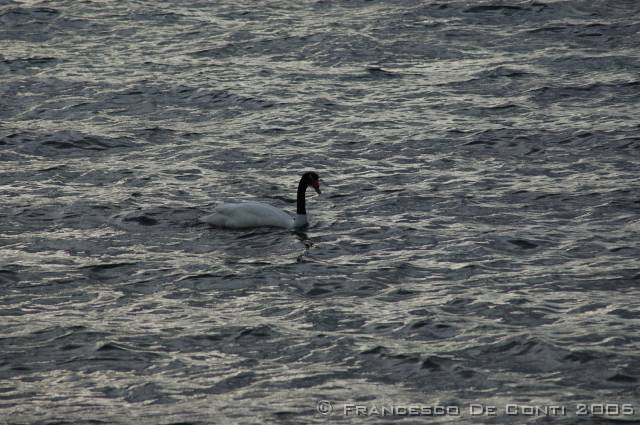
476	242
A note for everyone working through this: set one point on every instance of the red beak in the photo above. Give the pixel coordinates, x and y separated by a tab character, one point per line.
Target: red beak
316	186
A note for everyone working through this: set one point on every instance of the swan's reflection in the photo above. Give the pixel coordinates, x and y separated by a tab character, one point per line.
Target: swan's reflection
306	241
304	238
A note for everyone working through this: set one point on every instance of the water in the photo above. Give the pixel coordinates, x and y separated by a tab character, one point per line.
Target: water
476	241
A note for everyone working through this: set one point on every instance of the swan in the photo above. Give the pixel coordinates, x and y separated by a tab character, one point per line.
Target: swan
256	214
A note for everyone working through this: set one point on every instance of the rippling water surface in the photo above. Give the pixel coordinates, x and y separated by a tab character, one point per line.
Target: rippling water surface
476	240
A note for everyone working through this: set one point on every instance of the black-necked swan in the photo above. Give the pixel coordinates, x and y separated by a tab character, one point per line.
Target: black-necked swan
256	214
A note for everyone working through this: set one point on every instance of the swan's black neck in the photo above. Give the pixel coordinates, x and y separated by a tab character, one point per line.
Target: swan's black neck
301	205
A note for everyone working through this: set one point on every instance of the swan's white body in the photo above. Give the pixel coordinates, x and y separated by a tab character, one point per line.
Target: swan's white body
252	214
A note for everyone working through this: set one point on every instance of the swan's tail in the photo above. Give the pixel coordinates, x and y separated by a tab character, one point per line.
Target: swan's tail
214	219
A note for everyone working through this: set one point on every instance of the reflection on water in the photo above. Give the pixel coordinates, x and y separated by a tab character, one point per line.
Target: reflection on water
476	243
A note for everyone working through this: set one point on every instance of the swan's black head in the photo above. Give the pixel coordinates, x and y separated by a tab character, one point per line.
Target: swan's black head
311	178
